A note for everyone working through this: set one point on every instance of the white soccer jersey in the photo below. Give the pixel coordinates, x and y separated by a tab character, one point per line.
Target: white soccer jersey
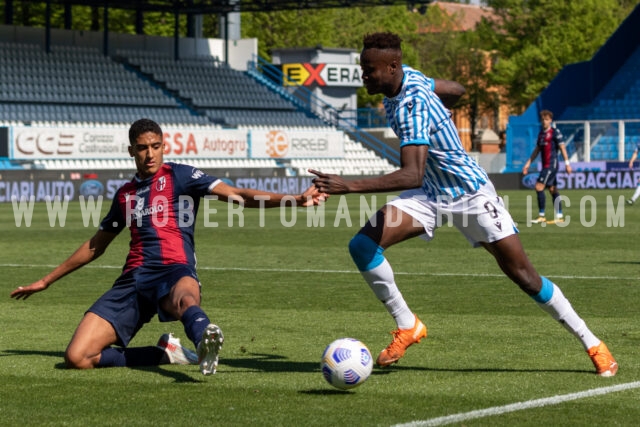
417	116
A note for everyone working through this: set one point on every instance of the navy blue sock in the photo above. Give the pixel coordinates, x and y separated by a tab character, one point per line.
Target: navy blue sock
542	201
134	356
112	357
195	321
143	356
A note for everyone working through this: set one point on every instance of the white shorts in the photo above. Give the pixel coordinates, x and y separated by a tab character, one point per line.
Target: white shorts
480	216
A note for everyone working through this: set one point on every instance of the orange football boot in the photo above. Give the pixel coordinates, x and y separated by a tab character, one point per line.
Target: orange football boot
402	339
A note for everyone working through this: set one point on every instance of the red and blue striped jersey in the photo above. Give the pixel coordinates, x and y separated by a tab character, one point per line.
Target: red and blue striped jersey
161	213
548	145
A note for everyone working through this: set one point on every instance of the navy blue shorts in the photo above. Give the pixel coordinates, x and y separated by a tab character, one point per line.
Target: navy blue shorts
134	298
548	177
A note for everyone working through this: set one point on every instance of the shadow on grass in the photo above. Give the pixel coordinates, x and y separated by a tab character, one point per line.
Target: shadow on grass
265	362
277	363
269	363
179	377
56	354
326	392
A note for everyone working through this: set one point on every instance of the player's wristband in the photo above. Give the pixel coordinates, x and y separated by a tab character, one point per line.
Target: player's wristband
567	162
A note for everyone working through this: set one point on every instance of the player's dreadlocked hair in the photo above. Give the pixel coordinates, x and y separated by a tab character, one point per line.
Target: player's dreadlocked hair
382	41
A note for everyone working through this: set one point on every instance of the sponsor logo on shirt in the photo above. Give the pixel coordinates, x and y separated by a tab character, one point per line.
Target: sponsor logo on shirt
196	173
141	191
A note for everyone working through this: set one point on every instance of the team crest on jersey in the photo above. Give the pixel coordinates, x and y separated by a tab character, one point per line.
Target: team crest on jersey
162	182
196	173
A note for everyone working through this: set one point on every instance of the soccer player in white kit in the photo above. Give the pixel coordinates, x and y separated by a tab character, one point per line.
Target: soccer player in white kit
442	184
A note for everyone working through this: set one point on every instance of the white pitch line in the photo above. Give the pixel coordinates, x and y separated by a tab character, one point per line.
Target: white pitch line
354	271
537	403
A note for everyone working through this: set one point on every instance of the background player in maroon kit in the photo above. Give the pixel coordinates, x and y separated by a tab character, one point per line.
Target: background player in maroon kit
159	206
549	141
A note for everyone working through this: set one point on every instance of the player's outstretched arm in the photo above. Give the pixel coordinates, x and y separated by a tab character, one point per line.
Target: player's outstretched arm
87	252
256	198
448	91
410	174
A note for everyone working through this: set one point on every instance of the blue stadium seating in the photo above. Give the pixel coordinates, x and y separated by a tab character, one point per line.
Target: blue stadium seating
619	100
77	84
603	91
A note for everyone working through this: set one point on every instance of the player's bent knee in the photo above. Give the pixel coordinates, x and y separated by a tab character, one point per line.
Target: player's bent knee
77	360
71	361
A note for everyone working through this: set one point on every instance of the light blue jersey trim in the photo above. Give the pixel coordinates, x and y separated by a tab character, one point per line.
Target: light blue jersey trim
433	83
415	142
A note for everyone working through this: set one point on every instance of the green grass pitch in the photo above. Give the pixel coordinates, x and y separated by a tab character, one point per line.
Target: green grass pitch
281	290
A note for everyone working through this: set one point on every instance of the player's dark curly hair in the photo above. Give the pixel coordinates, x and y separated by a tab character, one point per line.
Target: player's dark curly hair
382	41
143	126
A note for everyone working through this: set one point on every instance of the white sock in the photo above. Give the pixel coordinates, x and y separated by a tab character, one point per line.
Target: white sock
636	194
382	282
561	310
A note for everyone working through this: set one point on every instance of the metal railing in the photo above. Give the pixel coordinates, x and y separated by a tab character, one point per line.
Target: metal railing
586	140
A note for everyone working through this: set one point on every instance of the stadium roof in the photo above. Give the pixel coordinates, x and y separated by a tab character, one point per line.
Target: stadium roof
209	7
229	6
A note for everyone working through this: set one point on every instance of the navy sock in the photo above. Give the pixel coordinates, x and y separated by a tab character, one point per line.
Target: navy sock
112	357
143	356
135	356
195	321
542	200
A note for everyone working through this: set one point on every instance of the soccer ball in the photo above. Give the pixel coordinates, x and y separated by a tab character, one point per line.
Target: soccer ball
346	363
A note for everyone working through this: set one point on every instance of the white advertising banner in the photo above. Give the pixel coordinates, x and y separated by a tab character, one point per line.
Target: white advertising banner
287	144
207	144
33	143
